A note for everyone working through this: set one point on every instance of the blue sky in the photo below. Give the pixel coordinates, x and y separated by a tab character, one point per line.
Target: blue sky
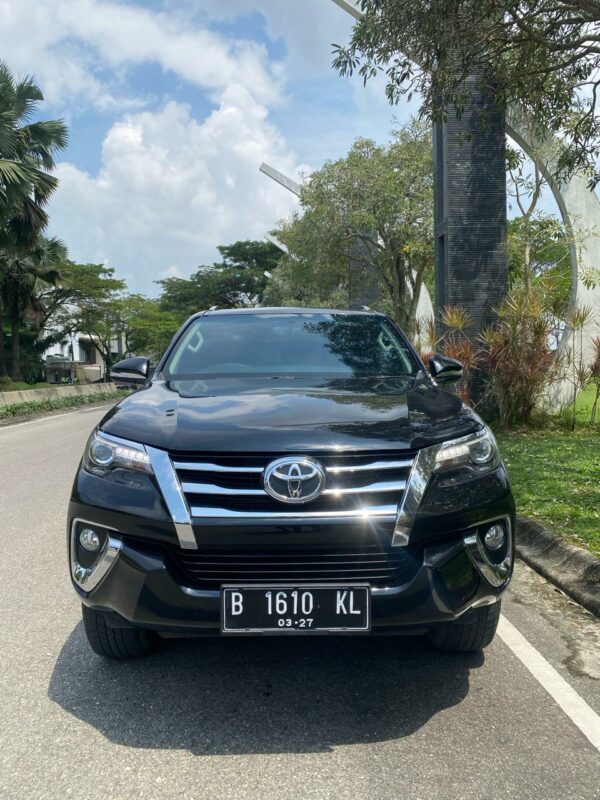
172	106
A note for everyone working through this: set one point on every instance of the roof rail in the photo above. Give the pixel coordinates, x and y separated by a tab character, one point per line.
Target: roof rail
214	308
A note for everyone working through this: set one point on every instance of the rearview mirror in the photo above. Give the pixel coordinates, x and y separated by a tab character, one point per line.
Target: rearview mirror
445	369
131	372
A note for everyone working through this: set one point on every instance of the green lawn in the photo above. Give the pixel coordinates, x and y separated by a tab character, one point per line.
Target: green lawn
556	480
585	401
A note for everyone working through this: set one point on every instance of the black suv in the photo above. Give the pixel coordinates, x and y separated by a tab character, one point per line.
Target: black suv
290	472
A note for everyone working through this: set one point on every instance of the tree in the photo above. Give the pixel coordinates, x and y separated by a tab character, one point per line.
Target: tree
147	329
84	304
240	280
250	254
89	302
375	205
538	246
541	54
538	243
93	301
27	272
27	152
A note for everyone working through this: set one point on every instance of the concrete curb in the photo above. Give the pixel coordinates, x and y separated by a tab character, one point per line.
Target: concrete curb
572	569
35	395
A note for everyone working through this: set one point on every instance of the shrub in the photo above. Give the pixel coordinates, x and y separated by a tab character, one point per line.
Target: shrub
455	343
520	361
32	407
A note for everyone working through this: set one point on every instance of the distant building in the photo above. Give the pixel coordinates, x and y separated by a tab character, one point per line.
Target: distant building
78	359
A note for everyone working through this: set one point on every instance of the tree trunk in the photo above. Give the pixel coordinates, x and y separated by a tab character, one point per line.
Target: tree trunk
3	368
108	365
527	265
15	339
399	291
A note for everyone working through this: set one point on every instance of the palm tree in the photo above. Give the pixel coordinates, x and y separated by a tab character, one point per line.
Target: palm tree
27	276
27	152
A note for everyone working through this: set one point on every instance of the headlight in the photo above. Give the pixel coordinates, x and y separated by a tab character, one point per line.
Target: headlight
104	453
478	452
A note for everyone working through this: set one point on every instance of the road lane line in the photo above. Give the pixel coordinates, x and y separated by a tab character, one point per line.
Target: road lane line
52	416
552	681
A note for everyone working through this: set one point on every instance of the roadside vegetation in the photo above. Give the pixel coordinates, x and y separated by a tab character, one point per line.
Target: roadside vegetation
554	474
35	407
8	385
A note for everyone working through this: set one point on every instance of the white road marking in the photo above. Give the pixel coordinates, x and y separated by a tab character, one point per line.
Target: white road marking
557	687
10	427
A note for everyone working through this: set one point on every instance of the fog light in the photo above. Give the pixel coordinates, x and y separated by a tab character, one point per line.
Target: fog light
89	540
494	537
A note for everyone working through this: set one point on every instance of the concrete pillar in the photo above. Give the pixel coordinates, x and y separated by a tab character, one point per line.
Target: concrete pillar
471	258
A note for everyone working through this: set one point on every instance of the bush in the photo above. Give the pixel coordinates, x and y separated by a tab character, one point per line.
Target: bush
8	385
454	343
30	408
520	361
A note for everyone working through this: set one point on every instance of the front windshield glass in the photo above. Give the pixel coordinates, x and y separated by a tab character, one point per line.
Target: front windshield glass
339	345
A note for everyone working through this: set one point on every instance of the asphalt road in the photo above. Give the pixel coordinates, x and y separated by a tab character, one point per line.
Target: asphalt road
311	718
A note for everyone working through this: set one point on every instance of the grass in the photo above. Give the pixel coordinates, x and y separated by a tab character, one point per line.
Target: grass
8	385
584	403
31	408
556	480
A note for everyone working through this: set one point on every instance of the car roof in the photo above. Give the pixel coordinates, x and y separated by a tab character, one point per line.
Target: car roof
284	310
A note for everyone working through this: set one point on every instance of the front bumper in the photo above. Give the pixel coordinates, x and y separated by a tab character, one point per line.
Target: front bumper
133	580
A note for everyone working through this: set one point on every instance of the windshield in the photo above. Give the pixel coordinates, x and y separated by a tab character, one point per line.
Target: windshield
340	345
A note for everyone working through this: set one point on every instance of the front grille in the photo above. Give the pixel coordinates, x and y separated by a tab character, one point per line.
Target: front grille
231	487
372	564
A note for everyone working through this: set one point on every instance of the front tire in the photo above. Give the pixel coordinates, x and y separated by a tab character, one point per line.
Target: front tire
475	632
116	642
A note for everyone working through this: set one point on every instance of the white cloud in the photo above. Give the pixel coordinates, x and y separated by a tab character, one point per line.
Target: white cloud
78	47
171	188
308	27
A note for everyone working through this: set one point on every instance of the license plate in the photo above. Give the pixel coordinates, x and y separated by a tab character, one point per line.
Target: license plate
295	609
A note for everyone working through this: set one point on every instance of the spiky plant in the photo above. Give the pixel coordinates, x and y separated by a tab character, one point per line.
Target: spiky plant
577	371
456	343
520	360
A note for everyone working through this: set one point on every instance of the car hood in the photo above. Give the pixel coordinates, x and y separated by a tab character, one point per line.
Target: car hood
274	415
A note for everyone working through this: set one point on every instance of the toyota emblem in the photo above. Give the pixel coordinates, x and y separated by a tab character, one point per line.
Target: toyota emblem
294	480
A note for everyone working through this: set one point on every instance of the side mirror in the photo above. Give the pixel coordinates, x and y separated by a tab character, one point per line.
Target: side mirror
445	369
130	372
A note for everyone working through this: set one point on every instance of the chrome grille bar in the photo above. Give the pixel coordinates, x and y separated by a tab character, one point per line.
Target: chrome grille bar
374	465
219	488
210	488
366	513
379	486
195	466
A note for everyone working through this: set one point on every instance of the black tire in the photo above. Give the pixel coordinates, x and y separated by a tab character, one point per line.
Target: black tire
474	632
116	642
